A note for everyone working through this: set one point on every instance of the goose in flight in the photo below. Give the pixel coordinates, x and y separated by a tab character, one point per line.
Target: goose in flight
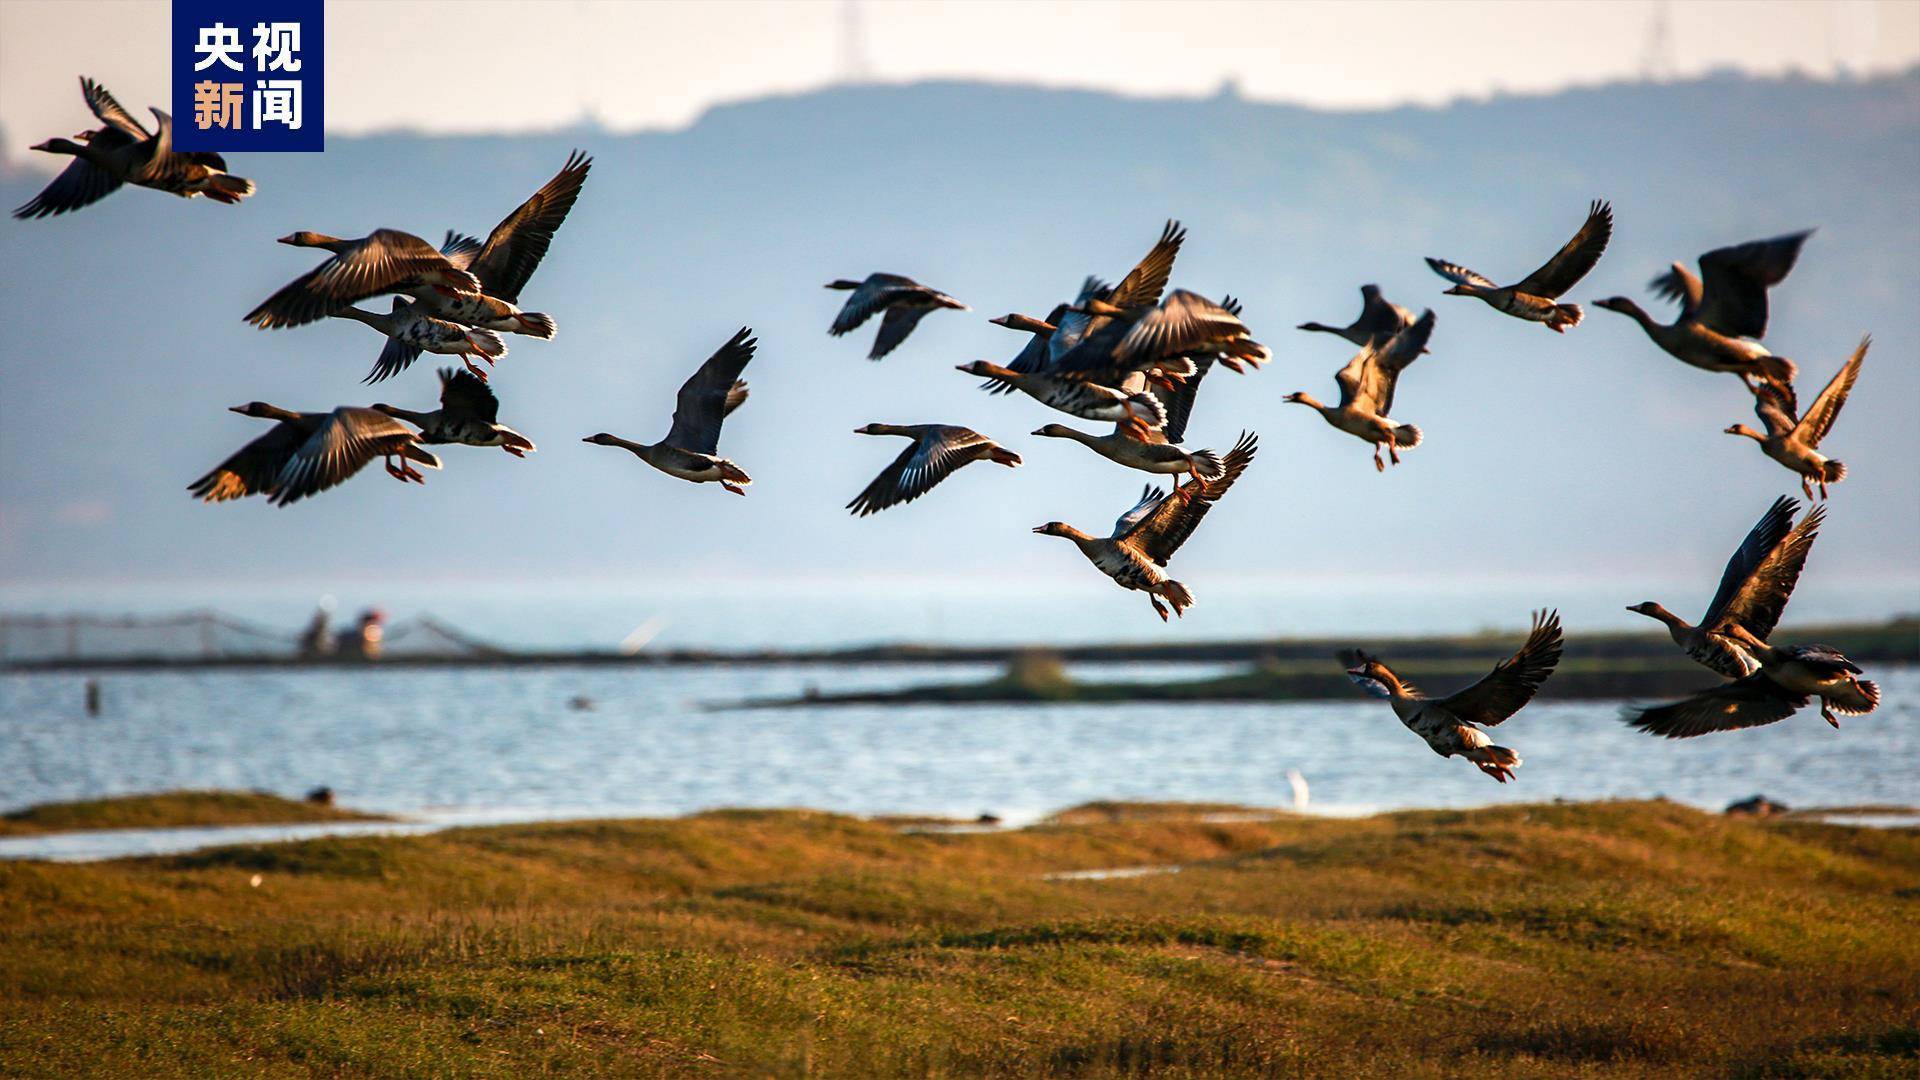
306	453
1162	340
937	452
1754	590
1366	392
122	151
905	301
410	331
1794	440
469	415
383	261
1452	725
1723	312
1379	318
1533	297
502	265
706	399
1788	678
1078	397
1145	537
1148	451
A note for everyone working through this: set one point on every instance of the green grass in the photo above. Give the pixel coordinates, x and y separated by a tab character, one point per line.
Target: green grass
1607	939
172	808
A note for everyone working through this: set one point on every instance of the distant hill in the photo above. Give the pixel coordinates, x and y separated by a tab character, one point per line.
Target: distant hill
122	343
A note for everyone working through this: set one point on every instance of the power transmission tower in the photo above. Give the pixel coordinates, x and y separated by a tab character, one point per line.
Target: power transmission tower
1657	61
853	42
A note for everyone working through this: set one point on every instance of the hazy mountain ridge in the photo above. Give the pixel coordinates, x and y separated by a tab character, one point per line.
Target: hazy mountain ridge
123	341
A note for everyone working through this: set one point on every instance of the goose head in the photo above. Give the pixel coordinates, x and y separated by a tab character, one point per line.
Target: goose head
306	238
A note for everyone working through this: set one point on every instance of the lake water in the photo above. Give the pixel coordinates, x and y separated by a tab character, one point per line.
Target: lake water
504	744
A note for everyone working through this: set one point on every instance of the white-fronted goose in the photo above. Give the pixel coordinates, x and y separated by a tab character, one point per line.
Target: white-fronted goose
904	300
1754	590
383	261
1366	392
938	450
1077	397
1451	725
1148	451
503	265
122	151
410	330
308	452
1162	339
1787	679
1723	313
469	415
706	399
1379	318
1793	440
1145	537
1533	297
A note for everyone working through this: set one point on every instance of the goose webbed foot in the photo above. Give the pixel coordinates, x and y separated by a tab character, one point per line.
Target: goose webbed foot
1823	491
733	487
1826	713
478	372
1159	608
1378	465
515	451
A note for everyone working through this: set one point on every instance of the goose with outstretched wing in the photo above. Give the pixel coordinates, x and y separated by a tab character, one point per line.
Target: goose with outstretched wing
1754	590
122	151
1723	312
1135	554
469	415
904	300
1535	297
937	452
690	450
1366	386
1793	439
1452	726
306	453
1787	680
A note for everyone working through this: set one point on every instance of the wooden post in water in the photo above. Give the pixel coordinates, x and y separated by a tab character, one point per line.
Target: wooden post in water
93	697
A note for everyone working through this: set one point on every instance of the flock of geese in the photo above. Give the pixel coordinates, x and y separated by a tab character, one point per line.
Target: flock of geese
1130	354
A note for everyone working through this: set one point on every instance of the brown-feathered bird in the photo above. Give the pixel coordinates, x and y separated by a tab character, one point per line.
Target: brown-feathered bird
1794	440
1723	313
905	301
306	453
1533	297
122	151
938	451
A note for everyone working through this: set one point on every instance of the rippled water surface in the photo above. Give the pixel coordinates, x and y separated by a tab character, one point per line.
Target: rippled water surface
504	742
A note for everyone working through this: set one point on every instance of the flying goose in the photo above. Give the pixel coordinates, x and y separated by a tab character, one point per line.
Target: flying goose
1379	318
1533	297
938	450
1754	589
1723	313
468	415
121	151
383	261
1793	440
1145	537
1147	451
1787	679
1366	392
308	452
410	330
706	399
1452	725
502	265
1162	339
904	300
1077	397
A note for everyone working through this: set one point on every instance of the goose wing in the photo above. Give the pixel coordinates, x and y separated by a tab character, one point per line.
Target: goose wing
1760	576
703	400
252	469
161	164
1743	703
1160	532
894	328
1733	297
1382	374
1572	262
1145	282
377	264
464	394
343	443
81	183
1819	417
1777	406
1150	499
1379	316
1678	283
878	291
1460	275
1182	323
936	452
515	247
1507	689
110	111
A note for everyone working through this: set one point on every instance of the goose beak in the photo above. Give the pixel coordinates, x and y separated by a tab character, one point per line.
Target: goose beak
1040	529
1358	672
241	409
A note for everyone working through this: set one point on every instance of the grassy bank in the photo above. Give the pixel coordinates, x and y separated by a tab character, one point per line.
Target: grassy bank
171	808
1616	939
